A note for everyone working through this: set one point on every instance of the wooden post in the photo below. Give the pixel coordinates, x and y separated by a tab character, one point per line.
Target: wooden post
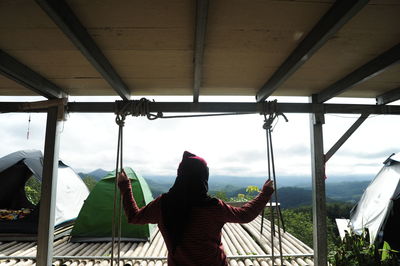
318	186
48	191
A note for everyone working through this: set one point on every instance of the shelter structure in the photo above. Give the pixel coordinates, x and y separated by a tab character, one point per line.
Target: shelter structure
318	49
15	169
379	207
94	223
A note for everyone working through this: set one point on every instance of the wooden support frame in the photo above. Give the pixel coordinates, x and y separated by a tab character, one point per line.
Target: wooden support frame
48	191
15	70
210	107
320	243
388	97
66	20
330	23
200	36
363	73
315	110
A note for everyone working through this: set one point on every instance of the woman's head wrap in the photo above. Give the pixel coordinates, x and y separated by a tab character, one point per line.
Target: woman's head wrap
189	190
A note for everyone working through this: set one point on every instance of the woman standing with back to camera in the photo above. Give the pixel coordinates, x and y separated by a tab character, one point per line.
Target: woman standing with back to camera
190	220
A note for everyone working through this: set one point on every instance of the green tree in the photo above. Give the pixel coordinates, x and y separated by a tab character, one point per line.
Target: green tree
221	195
251	193
299	224
89	181
356	250
32	190
338	210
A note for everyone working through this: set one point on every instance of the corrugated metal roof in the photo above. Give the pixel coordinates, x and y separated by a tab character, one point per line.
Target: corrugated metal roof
238	239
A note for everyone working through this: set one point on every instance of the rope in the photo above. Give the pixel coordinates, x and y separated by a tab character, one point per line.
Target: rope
275	188
272	210
142	108
123	109
202	115
136	108
276	196
120	196
271	108
120	120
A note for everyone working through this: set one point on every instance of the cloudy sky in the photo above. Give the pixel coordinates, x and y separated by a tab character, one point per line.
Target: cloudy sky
232	145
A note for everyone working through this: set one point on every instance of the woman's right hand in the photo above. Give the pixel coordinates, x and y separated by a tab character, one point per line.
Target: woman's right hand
269	184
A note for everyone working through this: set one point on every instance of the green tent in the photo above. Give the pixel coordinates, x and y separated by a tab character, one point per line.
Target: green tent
94	222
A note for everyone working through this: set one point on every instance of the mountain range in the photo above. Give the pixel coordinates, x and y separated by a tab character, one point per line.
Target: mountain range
96	174
292	191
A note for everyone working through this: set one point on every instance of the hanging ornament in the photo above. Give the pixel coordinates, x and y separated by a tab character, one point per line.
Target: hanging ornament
29	124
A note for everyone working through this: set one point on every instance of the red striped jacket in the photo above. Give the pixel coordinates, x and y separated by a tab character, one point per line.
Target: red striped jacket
201	244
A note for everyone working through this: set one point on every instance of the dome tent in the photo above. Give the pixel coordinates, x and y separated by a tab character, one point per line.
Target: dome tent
15	169
378	210
94	222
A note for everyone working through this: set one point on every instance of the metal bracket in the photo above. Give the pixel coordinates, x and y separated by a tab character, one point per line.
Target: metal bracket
318	116
318	110
40	105
345	136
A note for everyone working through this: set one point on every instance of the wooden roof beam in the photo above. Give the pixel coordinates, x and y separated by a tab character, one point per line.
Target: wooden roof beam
388	97
369	70
65	19
328	25
200	35
15	70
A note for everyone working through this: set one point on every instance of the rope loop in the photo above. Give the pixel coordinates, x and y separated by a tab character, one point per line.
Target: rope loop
120	120
154	117
271	108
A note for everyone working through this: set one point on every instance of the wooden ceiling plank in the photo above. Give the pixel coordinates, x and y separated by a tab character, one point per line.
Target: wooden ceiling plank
200	36
363	73
65	19
388	97
330	23
13	69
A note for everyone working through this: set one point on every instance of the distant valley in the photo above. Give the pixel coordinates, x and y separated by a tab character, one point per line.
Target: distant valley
292	191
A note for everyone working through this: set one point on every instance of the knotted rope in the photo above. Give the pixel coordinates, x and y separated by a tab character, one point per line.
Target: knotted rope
142	108
123	109
271	109
120	120
136	108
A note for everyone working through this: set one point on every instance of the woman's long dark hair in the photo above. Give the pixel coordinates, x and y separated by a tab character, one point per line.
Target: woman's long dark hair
189	190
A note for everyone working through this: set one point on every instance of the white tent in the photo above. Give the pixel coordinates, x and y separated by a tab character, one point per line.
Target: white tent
71	191
378	208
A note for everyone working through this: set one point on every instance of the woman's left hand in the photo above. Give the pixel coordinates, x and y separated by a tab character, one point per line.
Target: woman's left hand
122	179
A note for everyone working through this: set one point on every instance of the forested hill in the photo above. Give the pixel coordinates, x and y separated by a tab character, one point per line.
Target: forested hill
292	191
289	197
346	191
292	197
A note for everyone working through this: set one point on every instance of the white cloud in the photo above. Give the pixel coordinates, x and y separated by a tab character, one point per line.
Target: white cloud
232	145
